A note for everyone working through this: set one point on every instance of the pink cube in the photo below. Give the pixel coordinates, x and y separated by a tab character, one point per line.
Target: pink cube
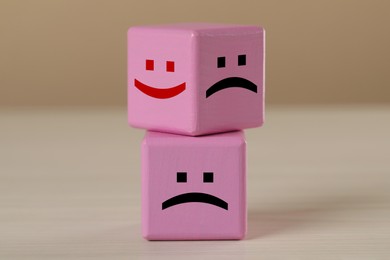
195	79
193	188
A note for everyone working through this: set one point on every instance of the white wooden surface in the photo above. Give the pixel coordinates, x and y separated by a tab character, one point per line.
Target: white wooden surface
319	187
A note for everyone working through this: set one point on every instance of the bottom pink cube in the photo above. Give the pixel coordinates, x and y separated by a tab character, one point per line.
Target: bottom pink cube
193	188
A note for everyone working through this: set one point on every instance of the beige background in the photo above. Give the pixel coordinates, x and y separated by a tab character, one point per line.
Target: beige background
61	53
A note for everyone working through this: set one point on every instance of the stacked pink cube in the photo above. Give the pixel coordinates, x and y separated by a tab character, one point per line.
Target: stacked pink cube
195	87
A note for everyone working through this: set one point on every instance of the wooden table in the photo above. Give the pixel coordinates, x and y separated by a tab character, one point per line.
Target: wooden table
318	187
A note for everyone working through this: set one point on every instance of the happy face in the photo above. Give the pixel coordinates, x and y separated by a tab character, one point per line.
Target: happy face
161	93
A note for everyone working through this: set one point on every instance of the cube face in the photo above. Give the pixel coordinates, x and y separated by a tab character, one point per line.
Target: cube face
232	95
193	188
196	79
160	66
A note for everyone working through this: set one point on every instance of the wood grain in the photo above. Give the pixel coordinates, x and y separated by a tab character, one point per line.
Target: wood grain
318	187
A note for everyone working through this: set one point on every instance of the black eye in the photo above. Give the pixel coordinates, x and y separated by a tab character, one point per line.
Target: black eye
221	62
241	60
208	177
181	177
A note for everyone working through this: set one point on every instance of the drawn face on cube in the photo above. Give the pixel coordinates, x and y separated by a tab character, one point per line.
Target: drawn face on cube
198	197
155	92
195	80
233	81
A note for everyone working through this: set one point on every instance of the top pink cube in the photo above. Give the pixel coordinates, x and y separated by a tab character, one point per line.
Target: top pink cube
195	79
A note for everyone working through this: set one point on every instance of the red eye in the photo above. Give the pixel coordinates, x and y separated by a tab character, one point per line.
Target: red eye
149	64
170	66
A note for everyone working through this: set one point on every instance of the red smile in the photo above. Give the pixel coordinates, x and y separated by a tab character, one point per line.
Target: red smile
161	93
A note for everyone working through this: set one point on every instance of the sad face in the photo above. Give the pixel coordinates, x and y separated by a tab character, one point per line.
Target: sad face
200	197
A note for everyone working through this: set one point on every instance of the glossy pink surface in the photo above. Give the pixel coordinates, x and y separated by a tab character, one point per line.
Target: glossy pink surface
160	105
163	156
